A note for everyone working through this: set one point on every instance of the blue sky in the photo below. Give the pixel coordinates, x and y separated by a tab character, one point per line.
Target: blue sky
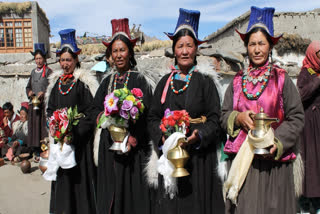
156	17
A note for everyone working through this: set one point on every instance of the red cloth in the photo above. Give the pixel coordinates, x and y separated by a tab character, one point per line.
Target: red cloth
44	70
9	154
25	105
311	60
65	77
166	87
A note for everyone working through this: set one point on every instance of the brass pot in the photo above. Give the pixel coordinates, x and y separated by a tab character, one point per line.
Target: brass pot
36	103
178	157
262	124
118	134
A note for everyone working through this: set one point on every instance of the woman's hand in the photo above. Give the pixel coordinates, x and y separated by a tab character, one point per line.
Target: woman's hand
5	121
273	149
30	93
68	138
15	144
192	139
244	120
163	139
40	95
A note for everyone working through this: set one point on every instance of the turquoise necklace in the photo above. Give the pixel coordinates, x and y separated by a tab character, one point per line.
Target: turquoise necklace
125	83
263	78
188	78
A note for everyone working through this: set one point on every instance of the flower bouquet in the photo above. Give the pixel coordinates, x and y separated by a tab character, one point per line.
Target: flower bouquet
120	106
61	123
175	121
174	125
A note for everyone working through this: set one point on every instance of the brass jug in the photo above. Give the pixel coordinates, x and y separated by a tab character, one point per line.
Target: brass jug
118	134
178	157
262	123
36	103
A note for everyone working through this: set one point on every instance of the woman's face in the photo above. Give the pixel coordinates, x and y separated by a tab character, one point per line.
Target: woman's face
23	116
185	51
67	63
39	60
120	55
258	48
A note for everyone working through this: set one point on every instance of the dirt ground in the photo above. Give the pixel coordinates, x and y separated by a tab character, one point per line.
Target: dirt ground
23	193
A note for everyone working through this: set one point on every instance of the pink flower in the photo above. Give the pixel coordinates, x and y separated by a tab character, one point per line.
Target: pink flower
134	112
110	104
63	116
167	112
137	92
126	105
124	114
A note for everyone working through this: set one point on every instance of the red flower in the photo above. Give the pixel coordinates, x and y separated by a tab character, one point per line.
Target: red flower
58	134
165	122
137	92
171	121
163	128
177	115
139	105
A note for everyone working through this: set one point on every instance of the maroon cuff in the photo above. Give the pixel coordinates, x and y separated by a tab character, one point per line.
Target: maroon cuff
132	141
98	118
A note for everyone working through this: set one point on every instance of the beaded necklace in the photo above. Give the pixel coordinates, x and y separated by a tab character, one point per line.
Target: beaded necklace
125	83
69	89
188	77
257	79
264	78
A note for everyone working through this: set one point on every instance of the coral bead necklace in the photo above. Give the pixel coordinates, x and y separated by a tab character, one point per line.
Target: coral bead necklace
188	78
69	89
125	83
264	78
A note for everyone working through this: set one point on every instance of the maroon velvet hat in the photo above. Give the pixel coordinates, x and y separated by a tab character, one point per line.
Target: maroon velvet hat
120	26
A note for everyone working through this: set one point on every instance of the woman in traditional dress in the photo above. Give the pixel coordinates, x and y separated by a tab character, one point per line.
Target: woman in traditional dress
309	88
37	86
192	89
262	183
73	189
121	186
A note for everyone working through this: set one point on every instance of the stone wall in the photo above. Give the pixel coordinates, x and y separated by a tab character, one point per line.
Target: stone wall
304	24
14	78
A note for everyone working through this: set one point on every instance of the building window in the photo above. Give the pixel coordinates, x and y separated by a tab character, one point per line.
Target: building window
15	35
19	38
27	37
1	38
9	36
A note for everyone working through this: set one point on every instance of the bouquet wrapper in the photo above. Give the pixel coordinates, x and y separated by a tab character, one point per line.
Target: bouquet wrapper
165	167
64	158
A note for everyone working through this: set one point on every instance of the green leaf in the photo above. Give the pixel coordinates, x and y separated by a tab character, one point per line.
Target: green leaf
102	119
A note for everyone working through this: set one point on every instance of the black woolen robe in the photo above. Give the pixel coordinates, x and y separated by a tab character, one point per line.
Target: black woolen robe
200	192
121	185
73	191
